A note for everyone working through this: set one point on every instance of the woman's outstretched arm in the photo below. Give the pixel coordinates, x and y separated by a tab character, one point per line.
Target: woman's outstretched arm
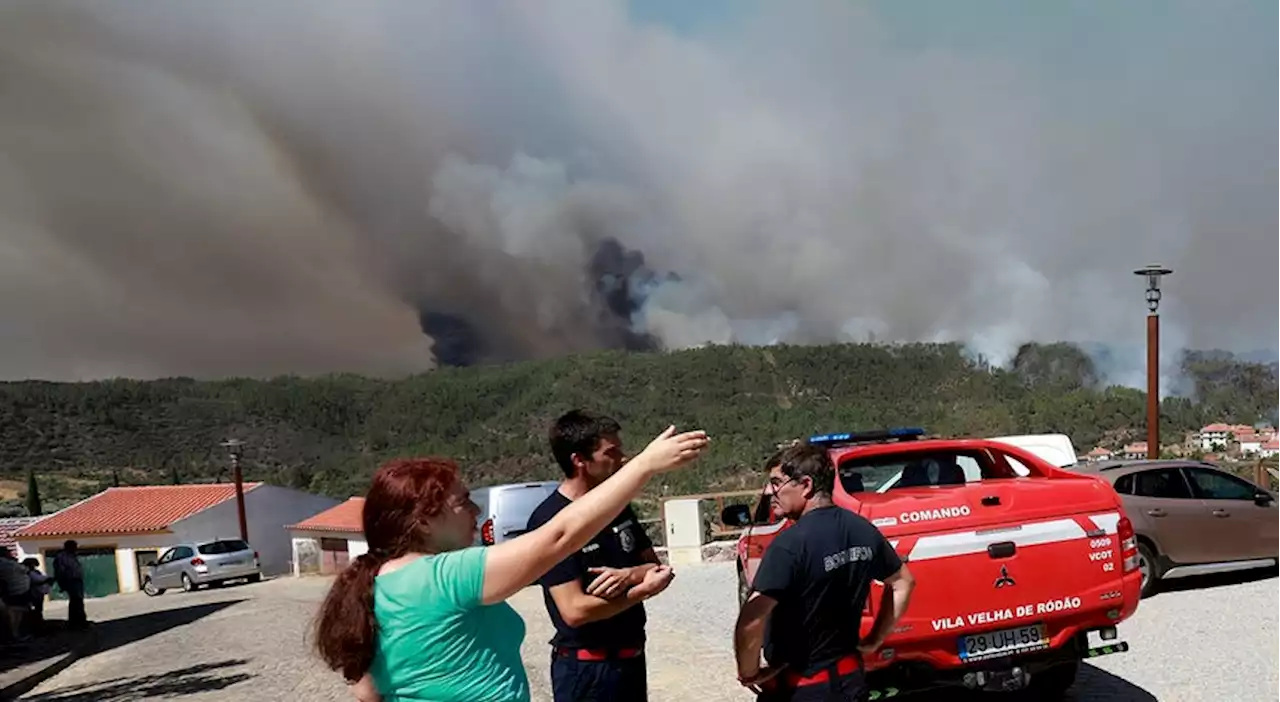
512	565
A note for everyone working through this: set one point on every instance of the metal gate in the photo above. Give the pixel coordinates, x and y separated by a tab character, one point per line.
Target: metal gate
99	567
333	555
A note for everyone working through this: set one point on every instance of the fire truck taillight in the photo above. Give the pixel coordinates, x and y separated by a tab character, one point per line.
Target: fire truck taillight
1128	545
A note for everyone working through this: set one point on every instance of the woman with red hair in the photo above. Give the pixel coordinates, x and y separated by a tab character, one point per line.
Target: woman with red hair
423	614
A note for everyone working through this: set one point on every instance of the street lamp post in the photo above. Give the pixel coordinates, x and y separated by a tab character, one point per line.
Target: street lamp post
233	447
1153	273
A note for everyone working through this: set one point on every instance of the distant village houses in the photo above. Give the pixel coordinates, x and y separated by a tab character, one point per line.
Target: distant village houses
1215	442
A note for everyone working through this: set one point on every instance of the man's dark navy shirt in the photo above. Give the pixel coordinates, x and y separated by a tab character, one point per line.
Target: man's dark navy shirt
820	572
619	545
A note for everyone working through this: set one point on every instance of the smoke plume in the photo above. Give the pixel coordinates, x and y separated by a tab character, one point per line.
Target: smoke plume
204	189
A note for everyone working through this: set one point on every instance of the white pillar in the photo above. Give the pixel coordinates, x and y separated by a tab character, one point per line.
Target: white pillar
684	531
127	570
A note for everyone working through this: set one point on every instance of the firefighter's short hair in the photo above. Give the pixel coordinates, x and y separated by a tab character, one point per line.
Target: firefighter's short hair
804	460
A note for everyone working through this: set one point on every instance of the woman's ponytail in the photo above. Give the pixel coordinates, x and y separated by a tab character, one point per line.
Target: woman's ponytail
347	630
405	493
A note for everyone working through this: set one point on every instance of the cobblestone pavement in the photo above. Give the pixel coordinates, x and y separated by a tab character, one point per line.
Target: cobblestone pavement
241	642
248	643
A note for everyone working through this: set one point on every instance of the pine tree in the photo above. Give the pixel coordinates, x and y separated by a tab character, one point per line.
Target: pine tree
115	478
173	475
33	495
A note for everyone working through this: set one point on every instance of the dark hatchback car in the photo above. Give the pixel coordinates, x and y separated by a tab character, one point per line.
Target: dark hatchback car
1193	518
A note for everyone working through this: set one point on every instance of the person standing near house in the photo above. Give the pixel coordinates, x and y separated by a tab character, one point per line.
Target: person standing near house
15	591
41	585
423	615
594	595
69	575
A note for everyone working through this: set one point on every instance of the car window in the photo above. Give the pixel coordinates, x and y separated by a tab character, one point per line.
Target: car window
1216	485
214	548
481	498
1124	484
182	552
934	468
167	556
1164	483
1017	466
764	511
520	501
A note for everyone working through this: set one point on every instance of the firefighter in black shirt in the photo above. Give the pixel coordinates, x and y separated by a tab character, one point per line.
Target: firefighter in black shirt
811	587
594	596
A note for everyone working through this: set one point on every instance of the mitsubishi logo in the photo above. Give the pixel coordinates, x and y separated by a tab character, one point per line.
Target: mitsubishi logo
1004	579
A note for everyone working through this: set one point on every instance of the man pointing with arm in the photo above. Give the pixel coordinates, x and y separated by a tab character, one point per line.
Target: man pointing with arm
593	597
811	587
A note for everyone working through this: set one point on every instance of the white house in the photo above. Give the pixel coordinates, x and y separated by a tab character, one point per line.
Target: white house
1250	443
1098	454
326	542
120	529
1216	437
1270	448
1134	451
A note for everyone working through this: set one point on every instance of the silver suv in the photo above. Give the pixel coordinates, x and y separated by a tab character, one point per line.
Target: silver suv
202	563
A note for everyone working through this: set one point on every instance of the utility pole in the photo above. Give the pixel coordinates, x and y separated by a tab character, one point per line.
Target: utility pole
1153	273
233	447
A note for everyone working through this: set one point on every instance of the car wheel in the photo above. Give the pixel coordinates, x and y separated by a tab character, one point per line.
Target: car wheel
151	589
187	585
1149	567
1053	683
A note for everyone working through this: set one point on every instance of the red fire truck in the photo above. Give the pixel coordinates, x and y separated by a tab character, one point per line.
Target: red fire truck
1022	568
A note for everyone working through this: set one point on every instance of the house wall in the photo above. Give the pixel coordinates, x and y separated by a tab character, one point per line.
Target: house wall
126	549
268	508
306	548
1209	440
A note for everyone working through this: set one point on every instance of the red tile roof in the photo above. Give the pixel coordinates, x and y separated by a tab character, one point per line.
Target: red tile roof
347	517
1218	427
9	526
121	510
1272	445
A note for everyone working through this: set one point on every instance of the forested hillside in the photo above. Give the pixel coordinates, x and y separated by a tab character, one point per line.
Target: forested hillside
328	434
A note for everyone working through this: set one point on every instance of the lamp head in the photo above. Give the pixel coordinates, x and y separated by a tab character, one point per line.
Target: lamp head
233	446
1153	273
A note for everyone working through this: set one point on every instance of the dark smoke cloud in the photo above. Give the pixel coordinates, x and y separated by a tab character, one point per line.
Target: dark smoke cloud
254	188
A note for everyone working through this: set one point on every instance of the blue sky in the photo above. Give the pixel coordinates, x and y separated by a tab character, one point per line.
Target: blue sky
1057	33
689	16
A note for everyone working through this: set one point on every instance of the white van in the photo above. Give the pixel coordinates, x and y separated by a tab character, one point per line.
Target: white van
1056	449
505	509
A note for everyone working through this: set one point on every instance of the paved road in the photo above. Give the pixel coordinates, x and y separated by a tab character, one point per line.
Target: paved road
245	642
248	643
